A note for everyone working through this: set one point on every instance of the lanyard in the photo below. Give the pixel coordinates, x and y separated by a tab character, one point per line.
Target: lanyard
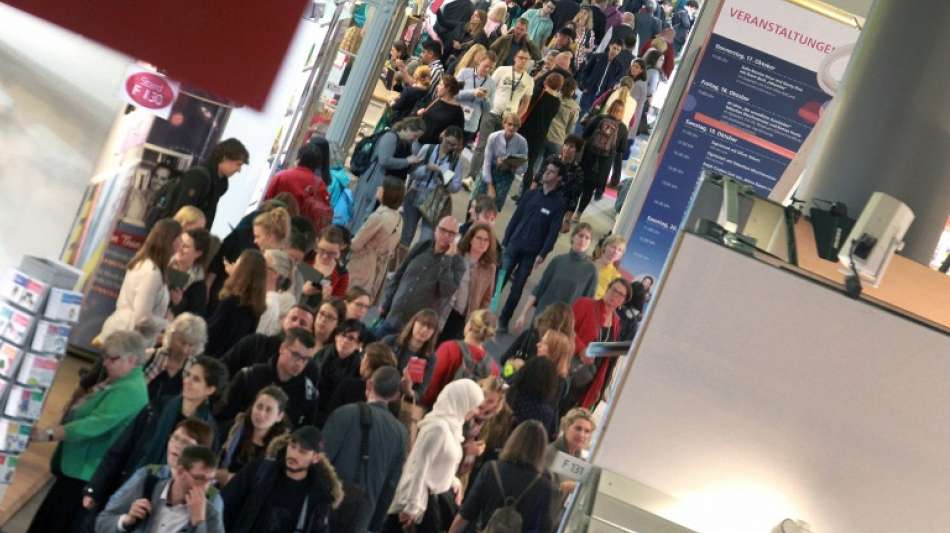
514	84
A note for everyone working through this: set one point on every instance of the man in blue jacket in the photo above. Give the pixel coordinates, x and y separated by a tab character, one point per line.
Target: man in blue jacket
531	234
601	72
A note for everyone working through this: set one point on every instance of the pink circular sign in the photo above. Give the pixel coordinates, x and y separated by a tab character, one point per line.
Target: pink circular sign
149	90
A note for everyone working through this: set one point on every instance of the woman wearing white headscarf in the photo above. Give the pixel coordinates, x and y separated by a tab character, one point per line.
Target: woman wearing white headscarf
431	466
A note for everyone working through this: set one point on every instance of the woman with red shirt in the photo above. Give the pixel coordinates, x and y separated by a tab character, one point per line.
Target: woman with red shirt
336	280
480	327
598	321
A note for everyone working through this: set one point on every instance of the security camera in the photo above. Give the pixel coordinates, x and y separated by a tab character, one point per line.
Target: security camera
875	237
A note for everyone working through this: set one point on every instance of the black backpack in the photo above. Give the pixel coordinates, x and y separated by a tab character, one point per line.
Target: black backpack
165	200
364	152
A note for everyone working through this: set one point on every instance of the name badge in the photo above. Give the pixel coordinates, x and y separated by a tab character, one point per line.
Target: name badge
571	467
544	211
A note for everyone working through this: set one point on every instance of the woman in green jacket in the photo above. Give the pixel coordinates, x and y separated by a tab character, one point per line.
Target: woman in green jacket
89	428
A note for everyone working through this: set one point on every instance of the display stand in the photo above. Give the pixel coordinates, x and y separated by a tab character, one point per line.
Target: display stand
37	310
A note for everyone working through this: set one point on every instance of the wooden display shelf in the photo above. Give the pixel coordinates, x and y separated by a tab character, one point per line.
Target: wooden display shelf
32	472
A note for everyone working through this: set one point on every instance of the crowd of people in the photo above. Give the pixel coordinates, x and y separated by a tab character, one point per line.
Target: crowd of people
308	376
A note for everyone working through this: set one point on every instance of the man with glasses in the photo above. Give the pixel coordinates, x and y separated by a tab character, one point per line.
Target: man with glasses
441	167
188	432
259	348
286	370
167	505
427	279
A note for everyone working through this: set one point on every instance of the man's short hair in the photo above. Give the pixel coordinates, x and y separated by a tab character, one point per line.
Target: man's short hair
193	455
348	326
197	429
302	234
216	373
386	382
629	41
576	140
454	131
616	41
558	164
232	149
434	47
692	3
310	158
302	336
484	204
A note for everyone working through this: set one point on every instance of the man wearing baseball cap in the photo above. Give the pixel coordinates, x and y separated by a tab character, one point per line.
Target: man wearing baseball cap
293	491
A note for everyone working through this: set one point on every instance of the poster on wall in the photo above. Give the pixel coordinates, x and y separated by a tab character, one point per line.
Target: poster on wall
753	99
102	290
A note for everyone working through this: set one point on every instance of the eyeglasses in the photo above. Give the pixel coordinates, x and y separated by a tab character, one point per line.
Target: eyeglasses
184	441
109	358
299	357
201	480
618	292
360	305
330	254
447	231
481	238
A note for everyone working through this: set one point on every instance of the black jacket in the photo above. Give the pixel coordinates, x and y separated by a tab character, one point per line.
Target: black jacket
333	372
524	347
598	22
249	493
564	12
484	496
301	409
229	323
251	350
451	20
241	238
594	70
202	187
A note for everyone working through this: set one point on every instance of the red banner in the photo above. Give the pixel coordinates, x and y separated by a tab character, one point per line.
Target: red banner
231	49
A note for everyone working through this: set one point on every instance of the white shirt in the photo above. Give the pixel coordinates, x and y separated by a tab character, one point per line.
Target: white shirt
166	518
510	88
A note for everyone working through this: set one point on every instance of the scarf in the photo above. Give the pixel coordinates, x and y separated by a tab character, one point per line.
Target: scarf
456	400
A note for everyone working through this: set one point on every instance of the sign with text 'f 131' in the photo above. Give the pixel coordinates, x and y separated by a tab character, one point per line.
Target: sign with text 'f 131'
571	467
149	90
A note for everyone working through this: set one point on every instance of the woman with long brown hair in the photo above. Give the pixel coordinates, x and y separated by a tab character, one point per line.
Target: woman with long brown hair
479	249
414	349
252	431
242	301
143	299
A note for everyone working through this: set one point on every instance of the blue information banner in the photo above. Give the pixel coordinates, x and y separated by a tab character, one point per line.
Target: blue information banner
745	115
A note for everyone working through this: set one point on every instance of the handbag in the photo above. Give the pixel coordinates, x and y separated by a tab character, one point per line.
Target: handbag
581	374
437	202
410	414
